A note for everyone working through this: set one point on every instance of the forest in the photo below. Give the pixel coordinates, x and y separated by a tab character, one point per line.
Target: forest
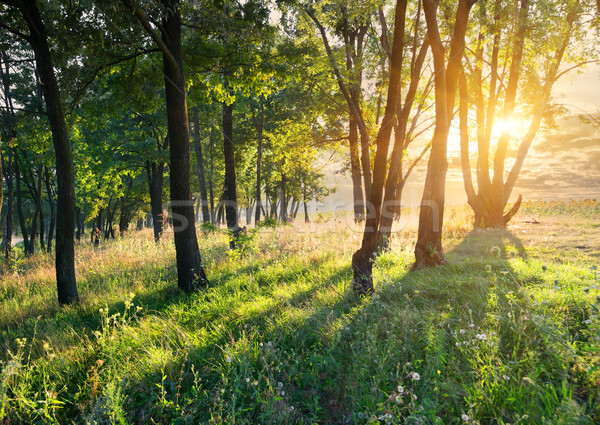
206	217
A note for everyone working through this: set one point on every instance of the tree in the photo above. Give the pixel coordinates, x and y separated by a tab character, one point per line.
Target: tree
37	38
428	249
190	272
531	31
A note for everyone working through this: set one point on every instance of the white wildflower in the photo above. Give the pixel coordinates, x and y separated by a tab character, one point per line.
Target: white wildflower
465	417
416	376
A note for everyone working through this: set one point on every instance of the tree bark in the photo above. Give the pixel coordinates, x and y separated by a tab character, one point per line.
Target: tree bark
230	195
52	214
200	168
190	272
428	249
355	173
155	174
259	124
362	260
65	245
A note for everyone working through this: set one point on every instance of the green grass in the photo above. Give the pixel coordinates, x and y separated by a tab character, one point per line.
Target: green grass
506	333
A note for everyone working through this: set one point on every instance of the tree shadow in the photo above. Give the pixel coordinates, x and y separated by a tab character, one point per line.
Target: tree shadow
481	243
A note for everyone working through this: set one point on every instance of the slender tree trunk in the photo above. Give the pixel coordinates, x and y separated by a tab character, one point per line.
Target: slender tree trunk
8	223
283	205
37	212
21	216
359	203
155	173
259	127
230	197
200	168
78	233
65	249
52	213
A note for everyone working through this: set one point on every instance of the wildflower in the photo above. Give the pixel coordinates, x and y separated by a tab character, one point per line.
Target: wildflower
228	359
292	408
280	385
414	396
398	399
270	344
506	377
400	389
587	322
488	268
247	380
465	417
282	393
457	344
481	337
471	325
416	376
462	331
495	251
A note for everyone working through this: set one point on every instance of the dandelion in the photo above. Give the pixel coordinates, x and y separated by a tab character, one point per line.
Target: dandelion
282	393
228	359
398	399
488	268
457	344
292	408
465	417
481	337
416	376
495	251
400	389
247	380
471	325
270	344
414	396
587	322
462	331
280	385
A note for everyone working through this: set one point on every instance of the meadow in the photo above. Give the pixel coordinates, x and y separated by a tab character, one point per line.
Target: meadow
506	333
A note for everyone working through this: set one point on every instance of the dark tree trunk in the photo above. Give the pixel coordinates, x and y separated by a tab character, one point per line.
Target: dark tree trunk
190	272
97	228
65	249
155	173
52	213
428	249
20	214
259	123
7	168
362	260
283	205
200	168
37	213
230	197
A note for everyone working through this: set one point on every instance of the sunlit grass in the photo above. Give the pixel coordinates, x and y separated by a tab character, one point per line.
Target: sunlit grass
503	334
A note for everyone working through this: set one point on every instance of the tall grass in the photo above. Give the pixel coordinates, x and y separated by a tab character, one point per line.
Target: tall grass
503	334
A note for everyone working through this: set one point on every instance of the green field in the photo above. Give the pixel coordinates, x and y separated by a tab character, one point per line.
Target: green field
506	333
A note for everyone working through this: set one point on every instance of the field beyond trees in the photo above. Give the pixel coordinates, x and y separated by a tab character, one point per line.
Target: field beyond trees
506	333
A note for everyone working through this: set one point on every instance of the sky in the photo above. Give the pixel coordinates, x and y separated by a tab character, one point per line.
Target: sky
562	164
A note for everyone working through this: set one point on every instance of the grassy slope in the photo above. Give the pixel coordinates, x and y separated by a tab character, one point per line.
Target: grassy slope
505	335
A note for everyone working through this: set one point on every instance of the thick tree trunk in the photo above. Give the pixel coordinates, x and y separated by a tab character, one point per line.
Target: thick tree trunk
200	168
190	272
65	249
428	249
230	196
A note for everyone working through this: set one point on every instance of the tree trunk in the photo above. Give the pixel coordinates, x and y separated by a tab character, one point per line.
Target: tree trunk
359	203
37	212
230	197
283	205
52	214
65	249
155	173
200	167
190	272
259	128
8	223
428	249
78	233
21	216
362	260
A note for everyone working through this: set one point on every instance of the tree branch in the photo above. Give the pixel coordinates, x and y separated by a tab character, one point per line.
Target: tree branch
143	19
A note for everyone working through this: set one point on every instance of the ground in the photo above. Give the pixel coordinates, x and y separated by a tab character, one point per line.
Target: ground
507	332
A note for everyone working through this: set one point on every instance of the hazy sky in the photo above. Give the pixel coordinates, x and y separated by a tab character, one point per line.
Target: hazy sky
562	164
